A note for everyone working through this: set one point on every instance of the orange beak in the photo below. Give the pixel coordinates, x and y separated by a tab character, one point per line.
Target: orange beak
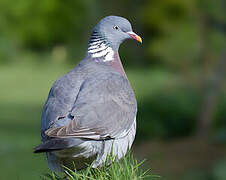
135	36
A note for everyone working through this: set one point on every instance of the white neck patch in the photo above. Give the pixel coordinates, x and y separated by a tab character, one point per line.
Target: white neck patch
100	50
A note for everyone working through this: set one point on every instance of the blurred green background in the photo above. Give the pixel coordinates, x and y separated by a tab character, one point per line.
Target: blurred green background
178	75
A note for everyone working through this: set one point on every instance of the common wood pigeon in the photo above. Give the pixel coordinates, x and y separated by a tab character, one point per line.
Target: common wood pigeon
91	111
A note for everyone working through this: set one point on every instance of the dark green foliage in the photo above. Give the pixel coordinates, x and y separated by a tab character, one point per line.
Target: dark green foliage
169	113
217	172
41	24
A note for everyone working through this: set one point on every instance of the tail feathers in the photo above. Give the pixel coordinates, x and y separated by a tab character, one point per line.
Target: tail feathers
56	144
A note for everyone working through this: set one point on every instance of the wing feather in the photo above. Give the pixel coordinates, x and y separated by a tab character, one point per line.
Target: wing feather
104	108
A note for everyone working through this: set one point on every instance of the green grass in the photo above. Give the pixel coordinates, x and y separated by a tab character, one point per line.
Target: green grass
24	86
125	169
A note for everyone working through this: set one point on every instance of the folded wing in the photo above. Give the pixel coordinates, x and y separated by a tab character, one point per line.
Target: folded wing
105	107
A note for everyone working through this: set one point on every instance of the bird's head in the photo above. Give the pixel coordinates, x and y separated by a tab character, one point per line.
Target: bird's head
114	30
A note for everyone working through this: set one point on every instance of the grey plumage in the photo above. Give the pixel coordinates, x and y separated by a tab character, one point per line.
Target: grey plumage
92	108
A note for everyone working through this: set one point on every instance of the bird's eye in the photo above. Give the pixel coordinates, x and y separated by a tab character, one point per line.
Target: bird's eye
116	27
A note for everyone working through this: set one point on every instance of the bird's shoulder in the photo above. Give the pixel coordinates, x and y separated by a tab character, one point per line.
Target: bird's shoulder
87	68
